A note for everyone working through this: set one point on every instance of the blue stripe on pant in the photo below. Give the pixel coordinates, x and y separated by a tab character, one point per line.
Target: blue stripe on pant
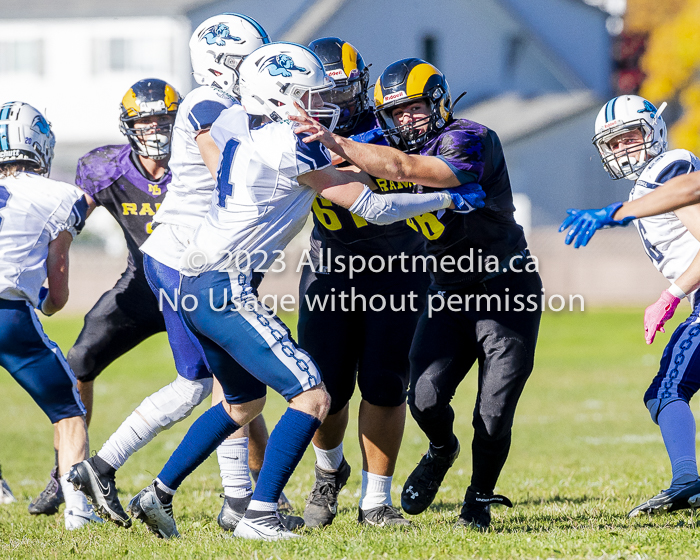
679	371
235	328
36	363
190	360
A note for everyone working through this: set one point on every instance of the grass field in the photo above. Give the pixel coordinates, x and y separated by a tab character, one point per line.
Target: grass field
584	453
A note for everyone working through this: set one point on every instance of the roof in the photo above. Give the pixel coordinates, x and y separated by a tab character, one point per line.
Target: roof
49	9
515	117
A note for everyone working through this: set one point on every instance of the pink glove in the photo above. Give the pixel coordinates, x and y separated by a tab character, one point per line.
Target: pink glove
657	314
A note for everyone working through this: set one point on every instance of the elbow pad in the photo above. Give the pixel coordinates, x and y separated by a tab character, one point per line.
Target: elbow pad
389	208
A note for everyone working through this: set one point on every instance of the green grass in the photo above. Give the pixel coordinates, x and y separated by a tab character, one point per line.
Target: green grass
584	453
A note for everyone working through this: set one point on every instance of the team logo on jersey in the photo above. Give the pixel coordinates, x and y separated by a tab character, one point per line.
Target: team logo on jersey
282	65
40	124
218	35
648	107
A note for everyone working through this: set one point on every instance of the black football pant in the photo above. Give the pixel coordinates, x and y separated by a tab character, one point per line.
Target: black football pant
446	345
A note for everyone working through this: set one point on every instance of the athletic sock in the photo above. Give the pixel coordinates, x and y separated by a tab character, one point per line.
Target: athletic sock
74	498
285	448
329	459
131	436
232	455
488	458
376	491
203	437
163	493
102	467
678	430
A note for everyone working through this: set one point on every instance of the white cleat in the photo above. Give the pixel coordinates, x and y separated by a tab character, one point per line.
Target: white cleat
268	528
76	518
6	495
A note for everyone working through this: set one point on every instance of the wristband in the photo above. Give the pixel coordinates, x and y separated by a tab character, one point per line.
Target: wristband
676	291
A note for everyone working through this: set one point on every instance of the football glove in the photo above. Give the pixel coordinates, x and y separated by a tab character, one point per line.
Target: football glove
369	137
467	197
658	313
584	223
43	294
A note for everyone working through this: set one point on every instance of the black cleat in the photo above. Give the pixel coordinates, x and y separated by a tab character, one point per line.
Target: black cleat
51	497
476	510
100	491
382	516
322	503
158	516
232	512
423	483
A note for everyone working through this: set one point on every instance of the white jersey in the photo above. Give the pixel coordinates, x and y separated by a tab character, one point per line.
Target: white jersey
33	211
669	244
190	191
258	206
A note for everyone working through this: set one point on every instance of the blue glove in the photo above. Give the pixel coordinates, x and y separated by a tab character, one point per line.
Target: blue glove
584	223
369	137
43	294
467	198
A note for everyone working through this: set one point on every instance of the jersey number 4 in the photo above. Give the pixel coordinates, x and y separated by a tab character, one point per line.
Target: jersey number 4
4	197
223	179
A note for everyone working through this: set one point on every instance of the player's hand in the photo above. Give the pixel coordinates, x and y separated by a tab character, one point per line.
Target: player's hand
584	223
467	198
658	313
43	294
314	130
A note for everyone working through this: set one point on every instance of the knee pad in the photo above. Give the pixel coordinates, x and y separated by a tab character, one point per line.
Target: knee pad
82	363
175	401
655	406
423	397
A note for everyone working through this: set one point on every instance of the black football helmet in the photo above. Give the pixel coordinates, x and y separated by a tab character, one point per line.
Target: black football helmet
149	98
404	81
345	65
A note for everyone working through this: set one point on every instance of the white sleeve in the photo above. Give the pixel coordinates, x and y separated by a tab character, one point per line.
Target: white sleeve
389	208
69	215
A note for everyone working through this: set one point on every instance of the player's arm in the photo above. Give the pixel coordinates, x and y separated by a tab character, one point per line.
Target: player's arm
345	188
682	190
57	272
656	315
209	151
379	161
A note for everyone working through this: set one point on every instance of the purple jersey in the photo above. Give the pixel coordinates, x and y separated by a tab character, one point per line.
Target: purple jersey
110	177
344	233
475	155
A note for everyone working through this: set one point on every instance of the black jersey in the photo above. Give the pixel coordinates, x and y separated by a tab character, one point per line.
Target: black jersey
110	177
487	236
345	233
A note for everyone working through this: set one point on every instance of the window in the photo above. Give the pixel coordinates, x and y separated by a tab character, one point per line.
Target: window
22	57
120	54
430	49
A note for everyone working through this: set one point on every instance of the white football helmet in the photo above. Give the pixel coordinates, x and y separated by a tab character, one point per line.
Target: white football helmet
219	45
276	75
622	115
25	136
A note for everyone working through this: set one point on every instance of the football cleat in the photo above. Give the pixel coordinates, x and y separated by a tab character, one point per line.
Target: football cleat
681	496
51	497
76	518
422	484
382	516
158	517
266	528
476	510
100	490
232	512
6	495
322	503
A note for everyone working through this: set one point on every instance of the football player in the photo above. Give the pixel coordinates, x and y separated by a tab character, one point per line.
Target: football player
276	178
217	48
437	151
130	181
631	138
364	345
38	220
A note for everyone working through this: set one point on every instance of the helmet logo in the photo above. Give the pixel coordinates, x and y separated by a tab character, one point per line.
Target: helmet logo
41	125
395	95
282	65
648	107
337	73
218	35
